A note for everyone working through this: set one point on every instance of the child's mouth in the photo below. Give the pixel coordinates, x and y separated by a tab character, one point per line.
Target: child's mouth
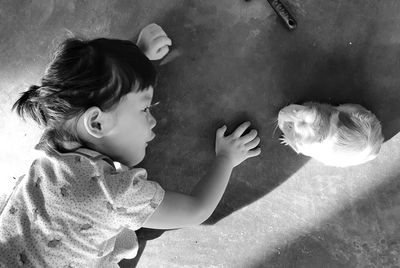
152	136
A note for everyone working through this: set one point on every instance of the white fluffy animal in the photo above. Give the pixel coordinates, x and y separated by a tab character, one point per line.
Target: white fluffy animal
341	136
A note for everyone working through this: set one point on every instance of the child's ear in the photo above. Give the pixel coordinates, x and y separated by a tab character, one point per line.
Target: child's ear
96	122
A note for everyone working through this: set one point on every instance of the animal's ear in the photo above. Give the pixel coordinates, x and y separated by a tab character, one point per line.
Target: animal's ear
307	114
290	112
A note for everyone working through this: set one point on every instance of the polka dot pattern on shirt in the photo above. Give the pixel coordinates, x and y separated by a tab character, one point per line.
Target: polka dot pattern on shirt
69	206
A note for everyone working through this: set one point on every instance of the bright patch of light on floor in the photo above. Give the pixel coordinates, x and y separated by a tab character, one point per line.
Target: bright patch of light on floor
17	141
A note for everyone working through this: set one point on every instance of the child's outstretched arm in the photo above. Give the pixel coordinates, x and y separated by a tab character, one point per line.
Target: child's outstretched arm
180	210
153	42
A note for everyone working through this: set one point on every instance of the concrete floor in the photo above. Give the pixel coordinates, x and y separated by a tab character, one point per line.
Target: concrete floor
237	62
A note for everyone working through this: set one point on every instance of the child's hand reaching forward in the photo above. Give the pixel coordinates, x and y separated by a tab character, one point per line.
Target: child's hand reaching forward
153	42
179	210
236	148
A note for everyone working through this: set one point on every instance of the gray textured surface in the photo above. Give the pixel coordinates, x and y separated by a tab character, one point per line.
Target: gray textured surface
238	62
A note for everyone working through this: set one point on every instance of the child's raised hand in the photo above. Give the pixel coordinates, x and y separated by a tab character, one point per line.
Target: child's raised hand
236	148
153	42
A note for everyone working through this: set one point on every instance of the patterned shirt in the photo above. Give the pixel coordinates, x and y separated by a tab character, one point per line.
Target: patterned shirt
75	210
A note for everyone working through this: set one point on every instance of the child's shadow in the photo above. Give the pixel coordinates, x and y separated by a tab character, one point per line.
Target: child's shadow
143	235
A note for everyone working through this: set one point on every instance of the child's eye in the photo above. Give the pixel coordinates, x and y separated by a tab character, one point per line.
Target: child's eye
148	108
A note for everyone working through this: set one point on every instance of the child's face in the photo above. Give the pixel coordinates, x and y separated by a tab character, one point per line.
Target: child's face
127	140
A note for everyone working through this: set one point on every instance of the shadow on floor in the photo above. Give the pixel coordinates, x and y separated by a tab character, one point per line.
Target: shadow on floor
207	86
143	235
220	78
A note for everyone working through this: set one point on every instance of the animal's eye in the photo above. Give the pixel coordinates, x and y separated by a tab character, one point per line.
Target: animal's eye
289	125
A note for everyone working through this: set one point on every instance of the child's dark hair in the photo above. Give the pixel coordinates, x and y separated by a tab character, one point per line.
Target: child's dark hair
83	74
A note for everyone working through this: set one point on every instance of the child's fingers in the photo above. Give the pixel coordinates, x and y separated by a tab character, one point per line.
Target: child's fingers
152	27
253	153
221	131
162	41
162	52
241	129
149	25
146	28
253	143
157	31
249	136
149	29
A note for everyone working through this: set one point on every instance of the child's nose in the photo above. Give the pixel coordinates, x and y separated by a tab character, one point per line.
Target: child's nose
152	120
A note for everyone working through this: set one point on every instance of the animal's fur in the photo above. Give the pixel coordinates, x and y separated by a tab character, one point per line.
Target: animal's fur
341	136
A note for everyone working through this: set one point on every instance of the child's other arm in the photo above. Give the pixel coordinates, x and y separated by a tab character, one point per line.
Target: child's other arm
153	42
180	210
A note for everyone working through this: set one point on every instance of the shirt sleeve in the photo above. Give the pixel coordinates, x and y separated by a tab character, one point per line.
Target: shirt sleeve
135	198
